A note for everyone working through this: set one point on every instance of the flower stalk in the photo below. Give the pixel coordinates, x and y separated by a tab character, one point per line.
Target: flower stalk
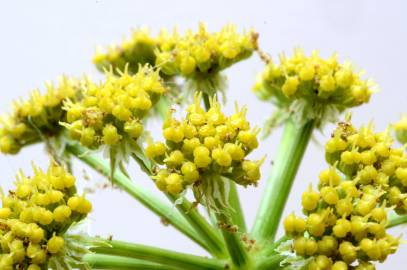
396	220
161	256
200	225
290	152
232	236
237	251
236	212
101	261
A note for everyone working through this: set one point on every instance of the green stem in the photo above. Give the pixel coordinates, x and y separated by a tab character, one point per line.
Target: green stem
272	262
396	220
160	256
206	101
236	212
290	152
201	225
162	107
236	249
139	193
100	261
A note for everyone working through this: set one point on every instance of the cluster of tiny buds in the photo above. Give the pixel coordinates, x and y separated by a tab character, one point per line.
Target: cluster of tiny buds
203	144
37	116
312	79
203	52
188	55
111	112
35	216
137	50
369	159
401	130
346	221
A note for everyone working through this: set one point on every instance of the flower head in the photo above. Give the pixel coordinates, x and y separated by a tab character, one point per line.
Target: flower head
201	56
203	53
346	217
401	129
132	52
36	118
110	113
35	217
204	147
312	88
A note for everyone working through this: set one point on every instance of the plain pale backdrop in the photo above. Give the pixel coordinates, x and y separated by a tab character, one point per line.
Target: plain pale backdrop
40	40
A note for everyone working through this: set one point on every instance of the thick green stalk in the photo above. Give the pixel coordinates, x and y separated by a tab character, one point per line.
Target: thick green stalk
160	256
201	225
237	251
162	107
396	220
206	101
272	262
141	194
101	261
236	212
290	152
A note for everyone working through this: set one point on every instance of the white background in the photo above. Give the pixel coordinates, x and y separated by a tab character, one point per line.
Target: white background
40	40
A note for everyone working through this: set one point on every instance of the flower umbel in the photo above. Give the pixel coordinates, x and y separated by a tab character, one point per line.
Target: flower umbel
203	147
111	112
201	56
311	88
203	52
37	118
132	52
36	215
347	216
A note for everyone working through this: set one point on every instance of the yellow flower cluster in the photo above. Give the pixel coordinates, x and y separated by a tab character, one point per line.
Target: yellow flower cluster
135	51
192	54
203	53
312	83
401	130
35	216
204	144
347	217
36	118
110	112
